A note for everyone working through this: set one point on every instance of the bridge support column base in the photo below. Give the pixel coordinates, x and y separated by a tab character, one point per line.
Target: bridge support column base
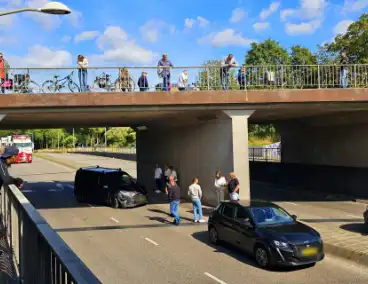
198	151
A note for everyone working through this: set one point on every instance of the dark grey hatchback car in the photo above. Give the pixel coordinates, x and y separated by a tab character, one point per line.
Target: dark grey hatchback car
267	232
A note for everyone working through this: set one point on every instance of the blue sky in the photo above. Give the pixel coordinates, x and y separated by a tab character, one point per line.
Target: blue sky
120	32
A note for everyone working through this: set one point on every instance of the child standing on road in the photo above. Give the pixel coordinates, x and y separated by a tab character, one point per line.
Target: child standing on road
195	193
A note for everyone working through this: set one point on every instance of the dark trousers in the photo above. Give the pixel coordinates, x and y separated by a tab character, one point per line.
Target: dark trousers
166	82
158	184
1	83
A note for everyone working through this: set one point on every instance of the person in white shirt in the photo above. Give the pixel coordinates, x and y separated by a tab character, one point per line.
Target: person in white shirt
220	185
195	194
183	81
158	178
167	173
228	62
173	174
82	72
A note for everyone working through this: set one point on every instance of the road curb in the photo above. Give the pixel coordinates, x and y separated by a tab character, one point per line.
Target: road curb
345	253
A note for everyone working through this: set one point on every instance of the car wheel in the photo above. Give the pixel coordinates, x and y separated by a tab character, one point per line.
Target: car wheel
114	202
213	234
262	257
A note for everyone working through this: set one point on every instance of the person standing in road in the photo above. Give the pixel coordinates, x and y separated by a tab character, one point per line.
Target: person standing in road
195	194
143	82
173	193
220	184
7	158
233	187
82	72
163	71
158	178
4	69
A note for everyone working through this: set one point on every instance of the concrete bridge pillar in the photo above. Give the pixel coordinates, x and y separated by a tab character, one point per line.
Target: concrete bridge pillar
198	151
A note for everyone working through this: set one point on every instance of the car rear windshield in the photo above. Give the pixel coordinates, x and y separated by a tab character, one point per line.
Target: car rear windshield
265	216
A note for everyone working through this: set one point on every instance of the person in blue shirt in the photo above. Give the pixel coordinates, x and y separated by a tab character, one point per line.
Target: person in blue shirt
242	78
164	71
143	82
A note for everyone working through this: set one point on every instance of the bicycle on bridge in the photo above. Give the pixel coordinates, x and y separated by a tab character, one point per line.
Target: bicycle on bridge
57	85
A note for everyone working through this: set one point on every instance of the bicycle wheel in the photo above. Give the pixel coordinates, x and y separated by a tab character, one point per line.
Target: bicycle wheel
73	87
30	87
49	87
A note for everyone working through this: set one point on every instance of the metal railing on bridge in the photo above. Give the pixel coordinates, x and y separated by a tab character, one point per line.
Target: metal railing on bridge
263	154
39	253
200	78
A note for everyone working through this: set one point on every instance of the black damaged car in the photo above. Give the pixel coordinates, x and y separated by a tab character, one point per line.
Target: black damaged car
112	187
267	232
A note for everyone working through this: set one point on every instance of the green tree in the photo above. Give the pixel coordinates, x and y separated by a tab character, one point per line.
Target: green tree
210	76
354	42
269	52
302	56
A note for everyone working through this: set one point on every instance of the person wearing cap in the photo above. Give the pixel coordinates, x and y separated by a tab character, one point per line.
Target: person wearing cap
6	160
143	82
164	71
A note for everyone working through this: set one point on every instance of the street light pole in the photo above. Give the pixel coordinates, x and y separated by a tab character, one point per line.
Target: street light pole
54	8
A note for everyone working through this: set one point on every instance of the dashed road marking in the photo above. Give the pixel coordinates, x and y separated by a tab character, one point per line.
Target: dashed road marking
27	190
113	219
214	278
152	242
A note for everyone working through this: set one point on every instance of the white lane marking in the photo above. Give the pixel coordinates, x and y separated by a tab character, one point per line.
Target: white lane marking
355	216
292	203
27	190
90	206
214	278
70	186
152	242
113	219
59	185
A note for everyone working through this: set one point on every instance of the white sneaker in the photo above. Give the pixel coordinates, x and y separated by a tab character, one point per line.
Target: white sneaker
157	191
196	221
202	221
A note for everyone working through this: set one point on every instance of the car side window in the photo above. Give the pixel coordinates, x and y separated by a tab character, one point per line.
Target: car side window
125	180
228	211
241	214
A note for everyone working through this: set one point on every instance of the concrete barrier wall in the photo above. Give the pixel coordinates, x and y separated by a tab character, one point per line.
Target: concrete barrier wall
351	181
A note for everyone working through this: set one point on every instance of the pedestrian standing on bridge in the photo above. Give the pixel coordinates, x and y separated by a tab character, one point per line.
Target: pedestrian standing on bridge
163	71
343	70
226	65
4	69
143	82
82	72
173	193
6	160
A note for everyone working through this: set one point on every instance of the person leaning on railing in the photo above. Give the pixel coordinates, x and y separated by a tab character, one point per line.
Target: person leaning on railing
6	160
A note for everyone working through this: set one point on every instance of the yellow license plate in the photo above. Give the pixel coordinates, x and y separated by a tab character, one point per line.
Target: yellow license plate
309	251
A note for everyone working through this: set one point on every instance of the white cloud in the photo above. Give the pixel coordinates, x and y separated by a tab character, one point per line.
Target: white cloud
190	23
237	15
309	9
355	5
48	22
342	27
75	18
261	26
302	28
226	38
151	31
265	13
203	22
117	47
87	35
41	56
66	38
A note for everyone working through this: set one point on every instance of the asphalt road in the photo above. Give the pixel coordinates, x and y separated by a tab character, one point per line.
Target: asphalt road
138	246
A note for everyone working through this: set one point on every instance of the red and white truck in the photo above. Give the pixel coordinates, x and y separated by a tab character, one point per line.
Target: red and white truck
23	143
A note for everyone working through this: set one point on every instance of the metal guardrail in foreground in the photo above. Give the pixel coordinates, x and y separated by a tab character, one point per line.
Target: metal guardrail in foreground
200	78
39	253
262	154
